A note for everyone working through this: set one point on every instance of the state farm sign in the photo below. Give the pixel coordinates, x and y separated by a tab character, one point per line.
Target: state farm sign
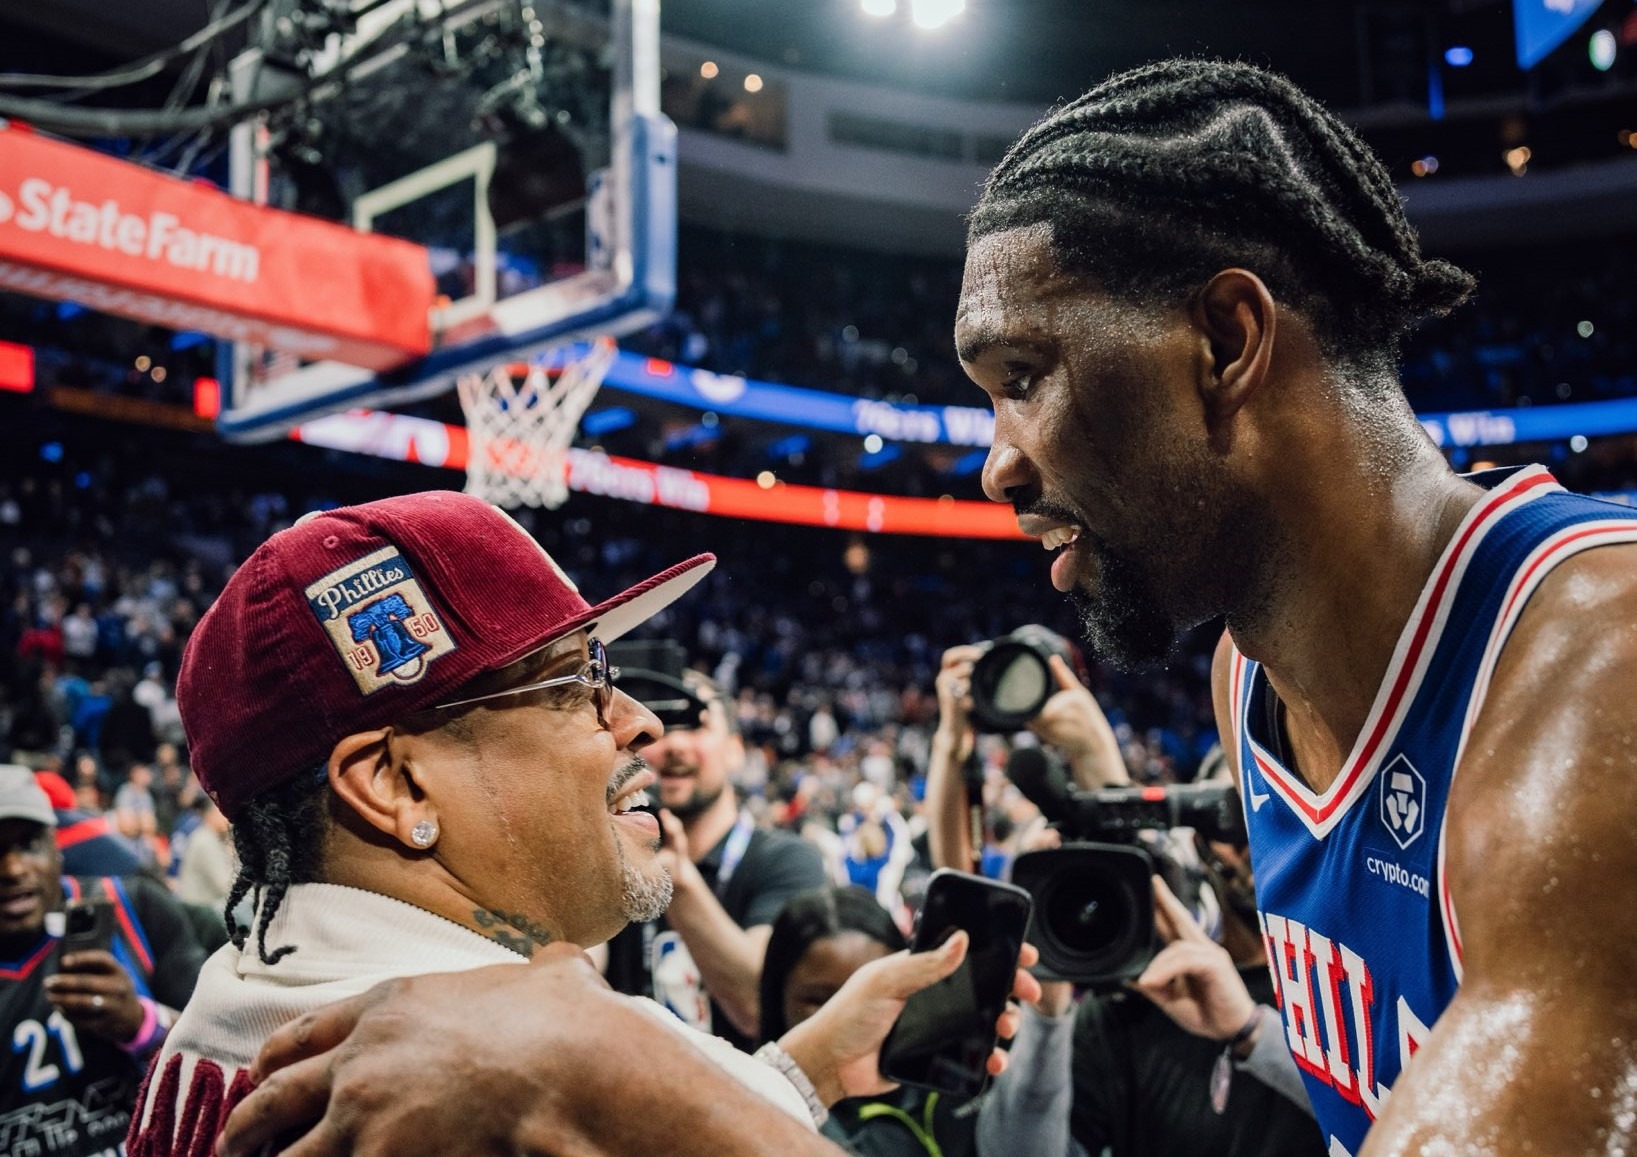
76	225
42	207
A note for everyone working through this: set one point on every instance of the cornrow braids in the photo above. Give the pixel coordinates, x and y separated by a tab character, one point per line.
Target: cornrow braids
1160	177
280	840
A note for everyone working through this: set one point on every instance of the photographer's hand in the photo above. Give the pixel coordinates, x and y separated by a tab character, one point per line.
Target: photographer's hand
1193	979
1074	724
95	992
954	684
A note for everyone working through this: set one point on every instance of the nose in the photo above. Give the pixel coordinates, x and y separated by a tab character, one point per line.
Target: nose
633	725
14	863
1005	469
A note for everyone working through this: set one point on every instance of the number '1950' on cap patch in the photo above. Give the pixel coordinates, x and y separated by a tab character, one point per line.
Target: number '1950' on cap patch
382	625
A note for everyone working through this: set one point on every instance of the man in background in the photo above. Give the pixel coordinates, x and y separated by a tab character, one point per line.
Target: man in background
703	959
83	1021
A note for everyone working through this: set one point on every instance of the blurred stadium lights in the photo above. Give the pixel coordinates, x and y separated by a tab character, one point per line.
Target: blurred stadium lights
931	14
873	444
1602	48
753	83
969	464
1458	56
879	7
708	70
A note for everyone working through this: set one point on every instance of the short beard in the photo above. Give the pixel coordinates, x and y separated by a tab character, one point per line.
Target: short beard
696	803
1125	624
643	897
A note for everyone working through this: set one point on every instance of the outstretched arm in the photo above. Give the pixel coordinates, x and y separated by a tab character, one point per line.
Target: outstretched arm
1538	1051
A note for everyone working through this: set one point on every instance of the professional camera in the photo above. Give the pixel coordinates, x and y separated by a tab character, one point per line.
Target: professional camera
1011	680
1093	899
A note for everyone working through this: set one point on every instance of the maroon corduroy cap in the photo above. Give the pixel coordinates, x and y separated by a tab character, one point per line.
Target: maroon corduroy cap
354	618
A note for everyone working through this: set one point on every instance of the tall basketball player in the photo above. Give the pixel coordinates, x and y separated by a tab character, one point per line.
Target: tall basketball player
1184	295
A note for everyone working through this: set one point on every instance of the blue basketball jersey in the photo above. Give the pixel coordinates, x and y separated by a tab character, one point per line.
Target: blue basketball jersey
1361	934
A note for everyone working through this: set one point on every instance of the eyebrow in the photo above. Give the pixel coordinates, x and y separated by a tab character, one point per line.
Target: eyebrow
987	337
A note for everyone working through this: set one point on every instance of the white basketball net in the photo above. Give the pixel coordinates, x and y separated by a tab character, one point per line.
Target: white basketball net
519	423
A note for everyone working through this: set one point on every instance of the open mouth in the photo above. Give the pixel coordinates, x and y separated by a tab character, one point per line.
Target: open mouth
631	797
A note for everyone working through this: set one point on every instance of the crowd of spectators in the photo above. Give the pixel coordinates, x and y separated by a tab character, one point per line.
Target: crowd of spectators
827	644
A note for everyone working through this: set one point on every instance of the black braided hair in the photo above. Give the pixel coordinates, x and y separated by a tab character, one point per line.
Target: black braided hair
279	838
1160	177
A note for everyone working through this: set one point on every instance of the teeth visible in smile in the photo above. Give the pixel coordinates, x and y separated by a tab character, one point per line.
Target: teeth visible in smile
626	803
1062	536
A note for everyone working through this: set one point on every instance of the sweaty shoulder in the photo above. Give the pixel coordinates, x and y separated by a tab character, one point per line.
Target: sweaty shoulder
1545	798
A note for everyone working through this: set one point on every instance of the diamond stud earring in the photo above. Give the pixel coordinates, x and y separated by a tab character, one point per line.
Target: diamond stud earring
424	834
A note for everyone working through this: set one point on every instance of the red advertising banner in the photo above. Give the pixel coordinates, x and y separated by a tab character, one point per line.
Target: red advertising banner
77	225
410	439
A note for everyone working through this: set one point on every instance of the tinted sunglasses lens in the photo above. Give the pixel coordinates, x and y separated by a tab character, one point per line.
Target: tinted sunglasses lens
604	674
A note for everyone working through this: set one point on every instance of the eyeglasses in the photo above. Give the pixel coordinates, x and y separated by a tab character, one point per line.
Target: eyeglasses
596	674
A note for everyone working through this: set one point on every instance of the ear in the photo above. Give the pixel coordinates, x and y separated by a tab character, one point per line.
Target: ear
374	773
1238	317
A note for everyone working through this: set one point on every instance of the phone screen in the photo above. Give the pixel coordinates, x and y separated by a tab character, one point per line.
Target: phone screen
943	1038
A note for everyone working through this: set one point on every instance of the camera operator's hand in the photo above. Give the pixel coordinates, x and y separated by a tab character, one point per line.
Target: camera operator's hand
1074	724
954	685
1193	979
96	993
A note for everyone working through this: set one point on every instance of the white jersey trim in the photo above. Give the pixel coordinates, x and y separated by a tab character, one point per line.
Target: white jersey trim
1401	683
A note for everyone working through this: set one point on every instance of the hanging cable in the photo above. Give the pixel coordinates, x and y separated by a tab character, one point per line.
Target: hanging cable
141	70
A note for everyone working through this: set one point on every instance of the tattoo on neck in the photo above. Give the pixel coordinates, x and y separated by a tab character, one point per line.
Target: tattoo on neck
512	930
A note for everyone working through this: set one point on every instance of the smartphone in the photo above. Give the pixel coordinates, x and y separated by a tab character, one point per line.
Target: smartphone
88	926
943	1038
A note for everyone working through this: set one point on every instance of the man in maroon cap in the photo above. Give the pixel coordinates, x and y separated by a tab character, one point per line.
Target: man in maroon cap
406	710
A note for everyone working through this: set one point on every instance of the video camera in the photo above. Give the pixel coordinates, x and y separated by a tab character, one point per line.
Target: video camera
1093	897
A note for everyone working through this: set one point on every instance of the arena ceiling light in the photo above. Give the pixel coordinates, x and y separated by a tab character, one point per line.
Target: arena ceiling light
1602	49
931	14
879	7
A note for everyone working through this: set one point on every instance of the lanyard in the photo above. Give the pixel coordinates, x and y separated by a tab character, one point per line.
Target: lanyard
738	842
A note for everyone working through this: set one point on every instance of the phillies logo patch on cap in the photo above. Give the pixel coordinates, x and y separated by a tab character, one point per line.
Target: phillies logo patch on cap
381	622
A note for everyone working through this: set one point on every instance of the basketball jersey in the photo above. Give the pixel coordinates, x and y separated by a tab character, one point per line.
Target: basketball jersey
1361	934
64	1093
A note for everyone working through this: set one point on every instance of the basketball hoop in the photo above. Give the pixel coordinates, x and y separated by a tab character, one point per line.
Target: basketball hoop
520	420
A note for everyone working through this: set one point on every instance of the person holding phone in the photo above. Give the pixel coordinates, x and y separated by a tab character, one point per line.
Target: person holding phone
91	971
472	814
819	940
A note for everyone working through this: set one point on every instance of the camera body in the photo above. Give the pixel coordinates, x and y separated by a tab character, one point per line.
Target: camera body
1011	680
1093	897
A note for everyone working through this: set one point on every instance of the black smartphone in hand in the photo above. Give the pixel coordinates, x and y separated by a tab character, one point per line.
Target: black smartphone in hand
88	926
943	1038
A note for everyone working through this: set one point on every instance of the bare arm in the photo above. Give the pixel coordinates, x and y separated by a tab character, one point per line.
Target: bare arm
949	829
534	1060
1538	1051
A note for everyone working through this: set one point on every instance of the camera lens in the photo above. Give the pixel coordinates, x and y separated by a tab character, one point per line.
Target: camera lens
1010	684
1088	915
1021	684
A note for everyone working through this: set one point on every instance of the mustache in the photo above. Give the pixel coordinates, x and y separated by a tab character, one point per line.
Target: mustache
1036	505
627	772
